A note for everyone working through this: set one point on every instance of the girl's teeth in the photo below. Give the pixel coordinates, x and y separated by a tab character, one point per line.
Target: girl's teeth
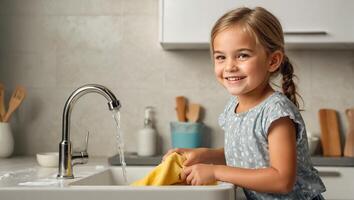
234	78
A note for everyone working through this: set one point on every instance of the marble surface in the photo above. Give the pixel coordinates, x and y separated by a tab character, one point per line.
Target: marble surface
26	172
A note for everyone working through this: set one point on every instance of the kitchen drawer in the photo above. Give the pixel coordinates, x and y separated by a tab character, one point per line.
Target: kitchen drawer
339	182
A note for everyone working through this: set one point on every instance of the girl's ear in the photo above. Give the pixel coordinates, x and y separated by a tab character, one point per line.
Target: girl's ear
275	60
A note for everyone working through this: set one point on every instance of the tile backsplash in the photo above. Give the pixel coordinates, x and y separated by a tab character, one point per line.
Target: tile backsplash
53	47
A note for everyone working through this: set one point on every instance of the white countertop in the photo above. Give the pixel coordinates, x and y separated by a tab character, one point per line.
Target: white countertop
26	172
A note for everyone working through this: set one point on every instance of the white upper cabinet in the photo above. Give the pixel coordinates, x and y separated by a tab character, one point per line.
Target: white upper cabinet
186	24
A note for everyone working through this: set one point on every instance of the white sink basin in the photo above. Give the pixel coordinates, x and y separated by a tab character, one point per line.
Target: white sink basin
94	182
112	178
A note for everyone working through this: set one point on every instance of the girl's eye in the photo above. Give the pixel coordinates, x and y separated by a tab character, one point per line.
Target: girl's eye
243	56
219	57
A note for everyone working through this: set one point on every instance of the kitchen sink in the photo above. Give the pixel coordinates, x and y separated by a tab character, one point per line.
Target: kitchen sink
113	176
94	182
112	179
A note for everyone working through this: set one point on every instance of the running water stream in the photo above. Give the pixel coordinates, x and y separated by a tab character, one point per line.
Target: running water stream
120	143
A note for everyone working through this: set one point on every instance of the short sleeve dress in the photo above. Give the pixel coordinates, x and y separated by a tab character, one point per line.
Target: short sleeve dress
246	144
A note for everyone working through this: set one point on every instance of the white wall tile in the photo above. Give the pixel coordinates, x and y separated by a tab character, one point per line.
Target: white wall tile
52	47
63	7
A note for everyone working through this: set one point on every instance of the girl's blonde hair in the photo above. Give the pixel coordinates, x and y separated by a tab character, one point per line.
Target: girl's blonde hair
266	29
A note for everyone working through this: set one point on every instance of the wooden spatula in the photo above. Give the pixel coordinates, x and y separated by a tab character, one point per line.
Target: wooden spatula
2	104
349	141
181	108
193	112
16	99
330	139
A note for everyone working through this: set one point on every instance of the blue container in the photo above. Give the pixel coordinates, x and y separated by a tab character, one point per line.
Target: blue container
186	134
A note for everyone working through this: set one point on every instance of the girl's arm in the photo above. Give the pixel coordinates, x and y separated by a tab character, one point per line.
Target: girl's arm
216	156
278	178
200	155
281	175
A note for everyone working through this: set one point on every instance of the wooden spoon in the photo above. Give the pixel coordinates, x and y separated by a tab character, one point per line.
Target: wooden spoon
181	108
193	112
349	141
16	99
2	104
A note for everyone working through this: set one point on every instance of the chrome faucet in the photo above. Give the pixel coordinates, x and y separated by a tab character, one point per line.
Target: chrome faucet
67	159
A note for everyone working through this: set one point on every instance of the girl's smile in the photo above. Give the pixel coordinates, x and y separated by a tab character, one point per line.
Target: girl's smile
233	81
235	78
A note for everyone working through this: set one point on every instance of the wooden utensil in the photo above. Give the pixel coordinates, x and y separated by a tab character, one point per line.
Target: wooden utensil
193	112
349	141
181	108
16	99
330	139
2	104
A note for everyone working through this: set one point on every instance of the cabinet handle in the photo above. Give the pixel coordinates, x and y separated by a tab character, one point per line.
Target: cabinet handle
305	32
328	174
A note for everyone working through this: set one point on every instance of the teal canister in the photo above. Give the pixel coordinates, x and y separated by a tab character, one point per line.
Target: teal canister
186	134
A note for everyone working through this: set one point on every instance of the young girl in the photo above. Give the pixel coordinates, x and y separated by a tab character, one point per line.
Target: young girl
266	150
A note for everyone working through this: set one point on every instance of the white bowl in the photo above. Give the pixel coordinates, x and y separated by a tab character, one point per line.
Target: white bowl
48	159
313	142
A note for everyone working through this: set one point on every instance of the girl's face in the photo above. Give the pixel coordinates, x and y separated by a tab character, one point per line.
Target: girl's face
241	65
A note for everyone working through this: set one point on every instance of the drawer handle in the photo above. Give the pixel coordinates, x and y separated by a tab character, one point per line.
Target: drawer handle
305	32
329	174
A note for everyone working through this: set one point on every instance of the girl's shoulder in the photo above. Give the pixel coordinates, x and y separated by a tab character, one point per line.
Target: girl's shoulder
278	106
278	101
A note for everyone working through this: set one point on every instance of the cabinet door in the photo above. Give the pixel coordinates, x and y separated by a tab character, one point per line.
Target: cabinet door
339	182
187	23
313	22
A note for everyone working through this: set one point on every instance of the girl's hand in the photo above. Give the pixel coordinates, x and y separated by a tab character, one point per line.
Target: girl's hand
199	174
193	156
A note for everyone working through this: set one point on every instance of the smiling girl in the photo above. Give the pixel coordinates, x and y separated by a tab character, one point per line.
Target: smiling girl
265	150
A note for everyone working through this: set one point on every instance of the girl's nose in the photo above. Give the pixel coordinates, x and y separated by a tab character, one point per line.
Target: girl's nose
231	65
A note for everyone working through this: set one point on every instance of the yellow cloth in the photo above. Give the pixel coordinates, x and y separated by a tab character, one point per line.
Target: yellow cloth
166	173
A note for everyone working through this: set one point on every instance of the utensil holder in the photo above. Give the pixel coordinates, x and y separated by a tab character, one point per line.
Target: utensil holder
6	140
186	134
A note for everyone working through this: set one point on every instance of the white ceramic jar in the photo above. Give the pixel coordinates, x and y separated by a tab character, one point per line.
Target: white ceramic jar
6	140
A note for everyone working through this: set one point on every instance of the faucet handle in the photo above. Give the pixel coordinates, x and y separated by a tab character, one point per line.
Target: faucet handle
86	141
81	157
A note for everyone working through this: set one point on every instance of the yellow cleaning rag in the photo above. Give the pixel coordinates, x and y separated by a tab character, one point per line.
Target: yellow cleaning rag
166	173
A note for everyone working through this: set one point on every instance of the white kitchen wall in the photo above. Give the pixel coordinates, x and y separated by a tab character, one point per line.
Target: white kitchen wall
52	47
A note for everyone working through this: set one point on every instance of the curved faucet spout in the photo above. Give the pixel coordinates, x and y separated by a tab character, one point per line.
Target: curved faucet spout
113	103
65	154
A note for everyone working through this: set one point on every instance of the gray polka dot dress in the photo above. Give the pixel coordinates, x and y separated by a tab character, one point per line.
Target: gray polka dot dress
246	144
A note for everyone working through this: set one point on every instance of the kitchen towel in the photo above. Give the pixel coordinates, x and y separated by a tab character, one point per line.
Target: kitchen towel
166	173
